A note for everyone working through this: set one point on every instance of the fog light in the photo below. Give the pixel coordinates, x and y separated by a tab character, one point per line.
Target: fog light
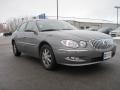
74	59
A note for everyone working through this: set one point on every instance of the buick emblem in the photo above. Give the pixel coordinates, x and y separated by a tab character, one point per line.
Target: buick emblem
104	42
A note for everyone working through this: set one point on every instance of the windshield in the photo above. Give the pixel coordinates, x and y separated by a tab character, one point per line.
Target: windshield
52	25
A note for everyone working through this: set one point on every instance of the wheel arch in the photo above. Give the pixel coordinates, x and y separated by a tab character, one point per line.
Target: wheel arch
12	41
43	43
54	58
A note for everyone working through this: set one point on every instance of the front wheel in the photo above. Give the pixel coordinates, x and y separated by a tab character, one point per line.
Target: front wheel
47	57
15	50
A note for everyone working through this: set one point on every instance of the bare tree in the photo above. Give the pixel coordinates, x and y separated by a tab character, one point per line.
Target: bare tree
14	23
1	27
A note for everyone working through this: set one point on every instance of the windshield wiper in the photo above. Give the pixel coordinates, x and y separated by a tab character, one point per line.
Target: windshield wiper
49	30
54	29
66	29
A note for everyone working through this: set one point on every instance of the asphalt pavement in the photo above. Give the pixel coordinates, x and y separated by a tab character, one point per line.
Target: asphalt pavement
27	73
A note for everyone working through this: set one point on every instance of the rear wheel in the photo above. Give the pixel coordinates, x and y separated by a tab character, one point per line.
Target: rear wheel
15	50
47	57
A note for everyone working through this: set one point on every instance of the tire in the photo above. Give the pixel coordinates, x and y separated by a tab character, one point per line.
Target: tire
47	57
15	50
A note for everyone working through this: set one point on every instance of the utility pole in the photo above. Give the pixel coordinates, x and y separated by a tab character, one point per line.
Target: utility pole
117	7
57	9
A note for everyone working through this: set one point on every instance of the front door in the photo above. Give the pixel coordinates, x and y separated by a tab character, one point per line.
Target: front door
30	39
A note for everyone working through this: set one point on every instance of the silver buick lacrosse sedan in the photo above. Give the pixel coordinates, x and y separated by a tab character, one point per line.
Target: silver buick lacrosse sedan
57	42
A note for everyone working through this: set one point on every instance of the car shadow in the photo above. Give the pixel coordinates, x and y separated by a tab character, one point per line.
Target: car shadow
89	69
71	70
31	59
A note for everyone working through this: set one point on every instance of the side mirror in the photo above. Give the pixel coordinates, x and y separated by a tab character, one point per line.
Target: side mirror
31	31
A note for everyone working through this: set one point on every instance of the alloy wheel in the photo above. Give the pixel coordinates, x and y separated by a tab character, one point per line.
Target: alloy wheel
46	57
14	49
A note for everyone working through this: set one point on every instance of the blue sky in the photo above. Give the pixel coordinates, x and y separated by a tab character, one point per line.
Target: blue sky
95	9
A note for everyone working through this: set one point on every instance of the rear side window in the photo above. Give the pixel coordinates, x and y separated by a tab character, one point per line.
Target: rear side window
22	27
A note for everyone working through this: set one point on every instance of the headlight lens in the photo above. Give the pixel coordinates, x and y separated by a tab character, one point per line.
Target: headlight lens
70	43
83	44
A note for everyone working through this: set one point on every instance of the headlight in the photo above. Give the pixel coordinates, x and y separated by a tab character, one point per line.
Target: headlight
83	44
70	43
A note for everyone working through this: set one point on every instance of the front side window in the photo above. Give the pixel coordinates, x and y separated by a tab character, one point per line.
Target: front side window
22	27
32	26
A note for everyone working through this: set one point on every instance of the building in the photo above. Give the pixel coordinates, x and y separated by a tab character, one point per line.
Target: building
85	23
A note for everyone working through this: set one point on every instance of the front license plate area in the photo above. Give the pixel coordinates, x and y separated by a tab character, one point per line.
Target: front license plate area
107	55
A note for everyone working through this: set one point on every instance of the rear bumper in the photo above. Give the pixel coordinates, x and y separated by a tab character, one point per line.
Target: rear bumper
80	57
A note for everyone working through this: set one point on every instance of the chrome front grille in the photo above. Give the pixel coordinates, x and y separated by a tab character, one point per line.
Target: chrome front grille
102	44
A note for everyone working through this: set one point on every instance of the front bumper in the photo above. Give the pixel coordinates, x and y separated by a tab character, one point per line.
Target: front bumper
80	57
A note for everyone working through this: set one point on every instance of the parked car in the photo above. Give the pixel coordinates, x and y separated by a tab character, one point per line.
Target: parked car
7	34
58	42
115	33
105	30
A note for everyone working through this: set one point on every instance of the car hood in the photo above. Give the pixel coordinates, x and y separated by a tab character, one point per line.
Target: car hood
78	34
